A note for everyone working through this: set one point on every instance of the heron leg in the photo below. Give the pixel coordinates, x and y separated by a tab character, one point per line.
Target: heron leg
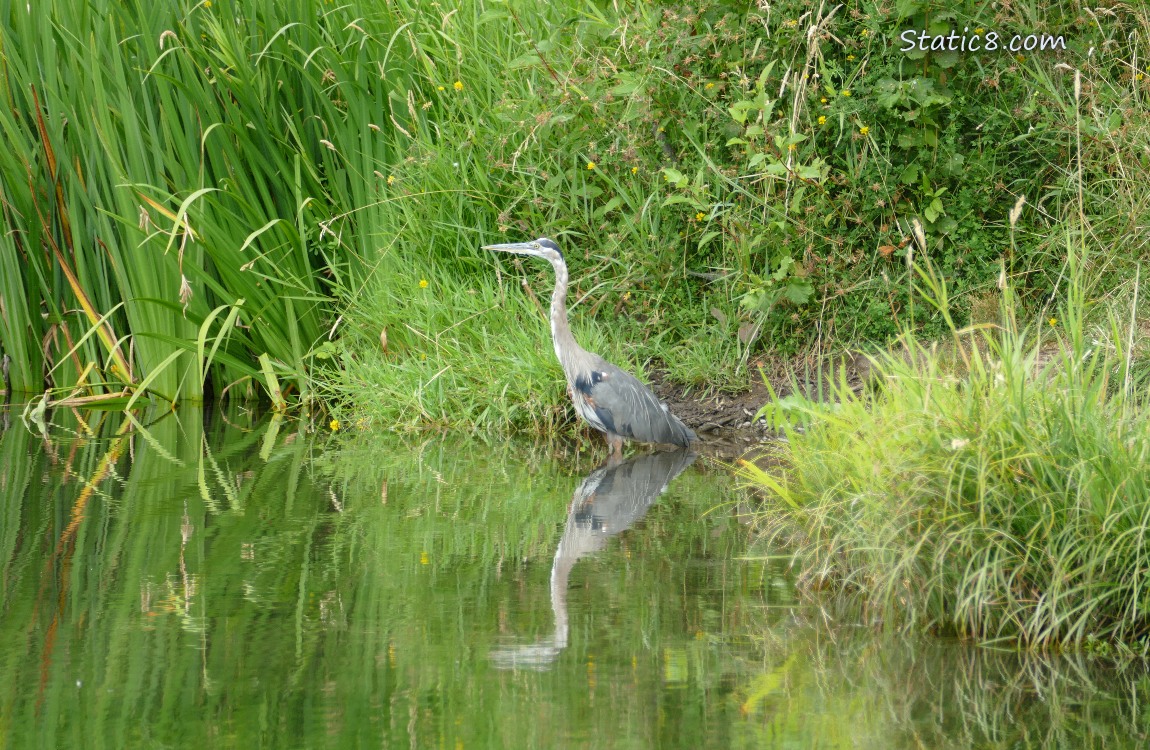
615	443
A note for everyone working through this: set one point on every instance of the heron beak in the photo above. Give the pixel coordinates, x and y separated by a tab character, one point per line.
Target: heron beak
519	248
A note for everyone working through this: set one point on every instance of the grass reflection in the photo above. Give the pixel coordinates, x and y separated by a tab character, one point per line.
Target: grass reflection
232	582
236	582
850	688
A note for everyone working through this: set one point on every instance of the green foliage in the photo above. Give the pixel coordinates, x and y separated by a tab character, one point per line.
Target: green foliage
998	490
168	163
824	141
235	582
728	186
439	332
728	183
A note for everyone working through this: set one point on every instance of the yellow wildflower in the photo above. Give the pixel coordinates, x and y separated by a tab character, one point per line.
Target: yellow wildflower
391	179
979	30
634	170
850	58
423	283
207	3
792	146
847	92
590	165
865	32
334	425
1053	321
441	88
823	100
700	216
1139	77
458	85
822	119
864	130
709	86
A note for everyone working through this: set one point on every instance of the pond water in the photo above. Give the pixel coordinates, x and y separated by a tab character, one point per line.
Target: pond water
211	580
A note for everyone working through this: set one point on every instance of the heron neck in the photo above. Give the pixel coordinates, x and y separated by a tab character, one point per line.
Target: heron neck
561	336
560	573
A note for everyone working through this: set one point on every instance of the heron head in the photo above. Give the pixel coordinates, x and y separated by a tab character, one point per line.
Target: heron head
540	248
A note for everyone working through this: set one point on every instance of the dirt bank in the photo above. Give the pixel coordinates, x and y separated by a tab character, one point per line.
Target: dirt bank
726	422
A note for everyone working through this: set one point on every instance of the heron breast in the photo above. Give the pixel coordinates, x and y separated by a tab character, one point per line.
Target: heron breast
597	416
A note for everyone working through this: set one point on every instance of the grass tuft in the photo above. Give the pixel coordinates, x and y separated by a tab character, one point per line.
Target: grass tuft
996	489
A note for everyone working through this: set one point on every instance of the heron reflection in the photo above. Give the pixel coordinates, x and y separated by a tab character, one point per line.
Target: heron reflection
610	500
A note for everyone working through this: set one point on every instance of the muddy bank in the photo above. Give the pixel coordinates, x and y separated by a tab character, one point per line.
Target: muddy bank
725	422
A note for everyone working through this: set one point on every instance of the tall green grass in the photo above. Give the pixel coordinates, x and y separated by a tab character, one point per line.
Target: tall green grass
994	484
165	161
726	188
438	332
999	491
243	197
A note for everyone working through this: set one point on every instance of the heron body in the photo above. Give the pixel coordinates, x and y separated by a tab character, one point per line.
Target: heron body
610	399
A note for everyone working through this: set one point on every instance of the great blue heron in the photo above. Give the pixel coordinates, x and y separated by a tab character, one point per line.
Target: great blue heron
612	400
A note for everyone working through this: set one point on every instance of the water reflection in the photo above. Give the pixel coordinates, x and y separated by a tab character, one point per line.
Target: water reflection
609	501
227	581
837	686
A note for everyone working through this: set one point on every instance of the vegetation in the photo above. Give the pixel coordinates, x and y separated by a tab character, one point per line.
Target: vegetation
999	492
288	196
732	190
234	583
285	199
995	486
174	183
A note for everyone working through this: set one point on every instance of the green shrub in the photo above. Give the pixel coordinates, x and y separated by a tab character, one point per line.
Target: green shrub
717	207
756	175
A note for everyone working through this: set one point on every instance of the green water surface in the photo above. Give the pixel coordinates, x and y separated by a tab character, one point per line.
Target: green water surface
210	580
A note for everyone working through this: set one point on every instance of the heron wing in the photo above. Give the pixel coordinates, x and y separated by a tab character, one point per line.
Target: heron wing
615	401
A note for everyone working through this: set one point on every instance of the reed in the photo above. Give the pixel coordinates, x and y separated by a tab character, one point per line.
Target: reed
173	168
